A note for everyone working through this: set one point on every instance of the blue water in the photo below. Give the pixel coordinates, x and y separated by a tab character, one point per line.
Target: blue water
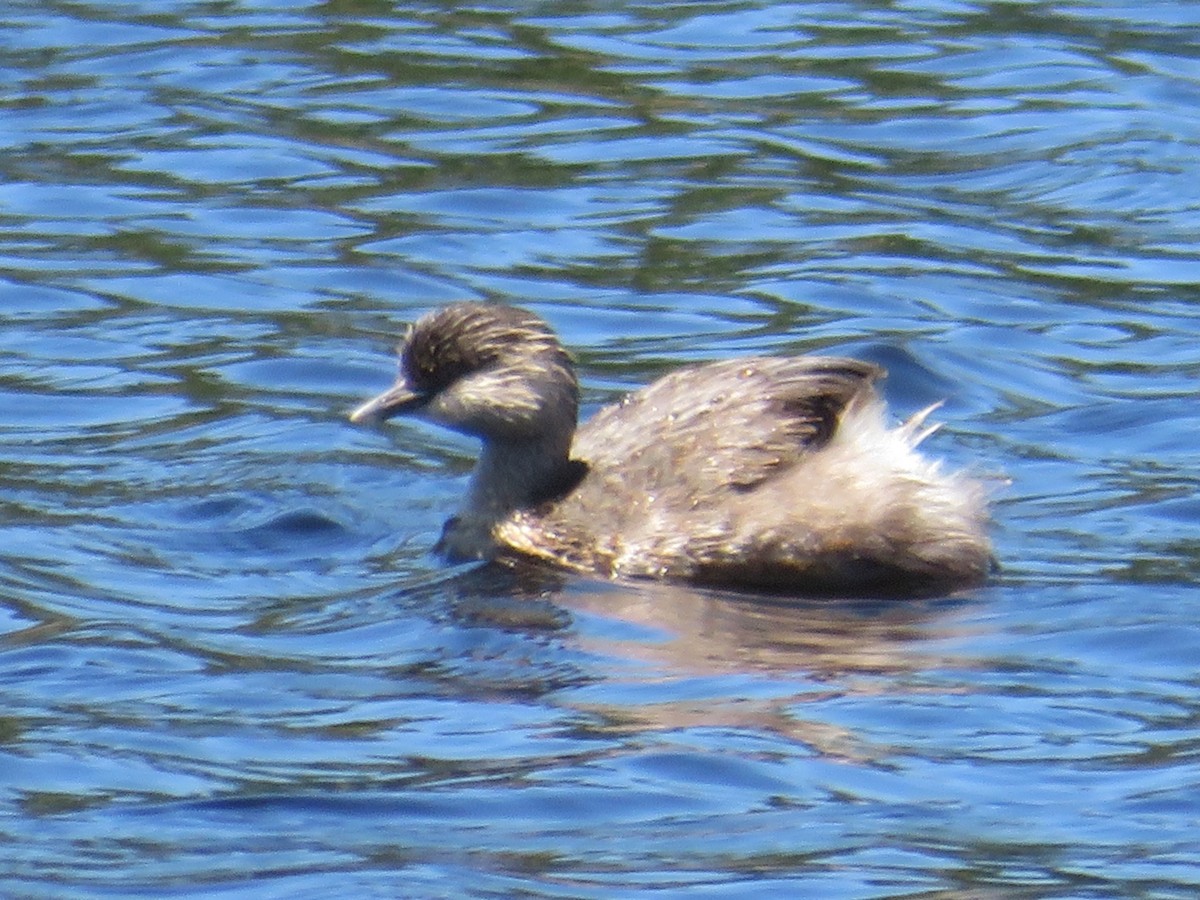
230	667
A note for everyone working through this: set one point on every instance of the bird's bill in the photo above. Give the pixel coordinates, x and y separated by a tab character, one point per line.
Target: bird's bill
398	399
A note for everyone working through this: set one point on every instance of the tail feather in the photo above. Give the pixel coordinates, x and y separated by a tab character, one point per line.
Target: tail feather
912	429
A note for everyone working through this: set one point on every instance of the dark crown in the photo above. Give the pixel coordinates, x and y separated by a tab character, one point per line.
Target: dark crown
448	344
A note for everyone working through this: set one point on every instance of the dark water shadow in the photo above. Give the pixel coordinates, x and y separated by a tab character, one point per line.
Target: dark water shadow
710	628
657	657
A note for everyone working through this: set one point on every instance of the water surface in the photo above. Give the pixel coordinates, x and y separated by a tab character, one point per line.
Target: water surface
229	665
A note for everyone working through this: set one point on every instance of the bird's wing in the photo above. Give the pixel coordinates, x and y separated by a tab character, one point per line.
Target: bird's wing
723	426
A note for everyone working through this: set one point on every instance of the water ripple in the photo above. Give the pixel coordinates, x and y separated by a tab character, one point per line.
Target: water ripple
228	662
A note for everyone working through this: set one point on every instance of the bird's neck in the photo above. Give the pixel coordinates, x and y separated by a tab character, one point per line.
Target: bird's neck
511	475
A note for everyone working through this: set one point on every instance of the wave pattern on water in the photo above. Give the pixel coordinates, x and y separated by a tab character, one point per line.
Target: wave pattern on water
228	663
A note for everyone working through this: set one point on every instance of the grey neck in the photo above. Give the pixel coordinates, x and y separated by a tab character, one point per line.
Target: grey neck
512	475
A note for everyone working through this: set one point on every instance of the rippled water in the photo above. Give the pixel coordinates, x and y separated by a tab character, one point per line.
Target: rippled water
228	665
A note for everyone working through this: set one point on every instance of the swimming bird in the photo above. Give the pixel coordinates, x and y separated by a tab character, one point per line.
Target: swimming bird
776	474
